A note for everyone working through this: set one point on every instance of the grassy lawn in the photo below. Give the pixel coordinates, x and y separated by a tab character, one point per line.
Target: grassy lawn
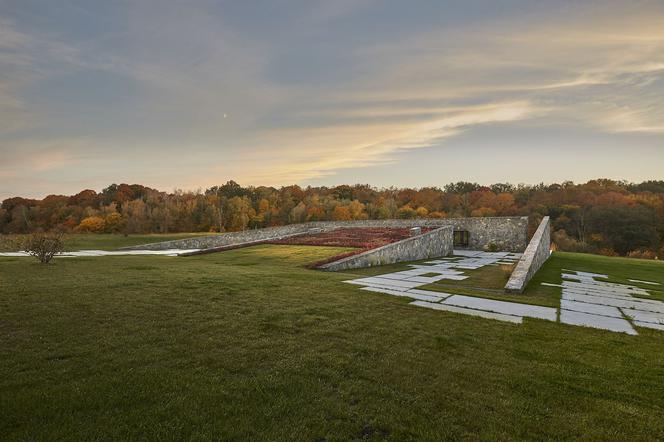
97	241
250	345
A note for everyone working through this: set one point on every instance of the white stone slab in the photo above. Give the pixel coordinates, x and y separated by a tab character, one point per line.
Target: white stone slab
387	282
395	276
606	288
596	321
468	311
622	303
646	325
380	286
508	308
466	252
595	309
589	274
456	277
429	293
427	279
428	298
597	293
570	277
644	282
641	316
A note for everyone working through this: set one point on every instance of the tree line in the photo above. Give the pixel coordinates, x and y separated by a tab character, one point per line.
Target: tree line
601	216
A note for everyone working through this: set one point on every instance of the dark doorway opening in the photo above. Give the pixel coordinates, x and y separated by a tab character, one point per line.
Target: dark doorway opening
461	238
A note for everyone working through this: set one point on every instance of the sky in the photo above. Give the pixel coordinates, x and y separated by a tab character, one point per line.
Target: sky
190	94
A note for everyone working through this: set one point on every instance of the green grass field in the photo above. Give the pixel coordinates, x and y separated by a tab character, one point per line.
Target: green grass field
250	345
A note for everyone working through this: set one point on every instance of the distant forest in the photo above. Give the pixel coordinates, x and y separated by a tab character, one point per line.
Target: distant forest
600	216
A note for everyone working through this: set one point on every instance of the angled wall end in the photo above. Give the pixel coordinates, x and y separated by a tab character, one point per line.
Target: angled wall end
537	252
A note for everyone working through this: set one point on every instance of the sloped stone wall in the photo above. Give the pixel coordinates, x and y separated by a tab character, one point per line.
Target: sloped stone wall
507	233
433	244
228	239
537	252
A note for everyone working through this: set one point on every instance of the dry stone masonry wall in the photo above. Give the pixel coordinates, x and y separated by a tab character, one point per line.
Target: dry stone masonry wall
537	252
505	233
434	244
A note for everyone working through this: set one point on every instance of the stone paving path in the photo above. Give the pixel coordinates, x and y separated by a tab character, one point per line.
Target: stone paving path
585	301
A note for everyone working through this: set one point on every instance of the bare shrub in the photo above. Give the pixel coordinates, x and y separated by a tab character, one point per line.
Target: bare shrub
563	242
43	246
607	251
642	254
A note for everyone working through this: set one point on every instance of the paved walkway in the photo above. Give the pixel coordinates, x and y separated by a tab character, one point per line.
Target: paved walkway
172	252
585	301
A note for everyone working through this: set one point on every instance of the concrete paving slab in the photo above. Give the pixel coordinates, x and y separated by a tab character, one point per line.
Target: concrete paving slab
429	293
509	308
468	311
388	282
589	274
466	252
646	325
641	316
427	279
644	282
630	304
428	298
595	309
397	276
596	321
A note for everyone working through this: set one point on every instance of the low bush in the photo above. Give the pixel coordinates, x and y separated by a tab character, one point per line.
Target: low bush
566	243
642	254
607	252
43	246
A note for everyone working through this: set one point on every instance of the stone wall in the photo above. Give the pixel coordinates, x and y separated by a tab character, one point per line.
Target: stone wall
433	244
507	233
228	239
537	252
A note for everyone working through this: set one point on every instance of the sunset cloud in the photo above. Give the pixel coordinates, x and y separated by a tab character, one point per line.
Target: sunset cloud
309	92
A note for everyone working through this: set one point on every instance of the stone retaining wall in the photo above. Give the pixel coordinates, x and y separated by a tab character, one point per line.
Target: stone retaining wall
228	239
507	233
433	244
537	252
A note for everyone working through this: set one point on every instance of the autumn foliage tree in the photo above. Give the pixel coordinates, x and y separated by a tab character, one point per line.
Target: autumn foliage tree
607	215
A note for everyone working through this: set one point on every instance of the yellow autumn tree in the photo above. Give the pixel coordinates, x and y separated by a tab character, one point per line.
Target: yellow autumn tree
341	213
93	224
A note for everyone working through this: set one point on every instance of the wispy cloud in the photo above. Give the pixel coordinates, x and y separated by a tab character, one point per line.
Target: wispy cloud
196	80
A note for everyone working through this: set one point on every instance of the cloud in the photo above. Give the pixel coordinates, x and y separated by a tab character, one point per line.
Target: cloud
162	78
315	152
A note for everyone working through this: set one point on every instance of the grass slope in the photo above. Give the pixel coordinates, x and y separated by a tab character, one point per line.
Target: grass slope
250	345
